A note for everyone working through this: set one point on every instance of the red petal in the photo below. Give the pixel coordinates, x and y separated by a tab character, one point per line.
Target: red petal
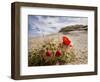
48	53
66	41
58	53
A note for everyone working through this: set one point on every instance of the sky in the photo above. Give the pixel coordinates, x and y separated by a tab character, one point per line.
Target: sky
43	25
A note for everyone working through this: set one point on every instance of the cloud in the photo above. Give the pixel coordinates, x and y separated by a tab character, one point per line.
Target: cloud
38	25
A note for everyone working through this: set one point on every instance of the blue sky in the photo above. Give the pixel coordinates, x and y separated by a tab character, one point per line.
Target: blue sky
39	25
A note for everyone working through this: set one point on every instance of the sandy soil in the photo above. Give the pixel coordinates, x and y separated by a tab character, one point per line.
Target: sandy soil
79	42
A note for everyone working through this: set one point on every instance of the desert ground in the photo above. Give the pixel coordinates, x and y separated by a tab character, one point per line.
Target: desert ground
78	40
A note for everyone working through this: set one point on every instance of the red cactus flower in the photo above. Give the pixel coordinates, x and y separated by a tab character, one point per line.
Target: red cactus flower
58	53
48	53
66	41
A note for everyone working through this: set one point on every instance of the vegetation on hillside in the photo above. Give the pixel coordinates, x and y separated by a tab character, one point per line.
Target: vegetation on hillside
73	28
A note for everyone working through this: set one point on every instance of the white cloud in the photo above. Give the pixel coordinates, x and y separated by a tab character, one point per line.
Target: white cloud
52	24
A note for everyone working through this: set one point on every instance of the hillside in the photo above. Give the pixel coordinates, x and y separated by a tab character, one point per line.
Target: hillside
73	28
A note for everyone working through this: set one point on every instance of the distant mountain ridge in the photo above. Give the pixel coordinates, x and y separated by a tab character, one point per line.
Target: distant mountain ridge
73	28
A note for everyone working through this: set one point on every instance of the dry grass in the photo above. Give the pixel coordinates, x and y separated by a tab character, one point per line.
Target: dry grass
79	41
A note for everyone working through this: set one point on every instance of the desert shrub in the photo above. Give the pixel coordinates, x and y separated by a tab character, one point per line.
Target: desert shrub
52	53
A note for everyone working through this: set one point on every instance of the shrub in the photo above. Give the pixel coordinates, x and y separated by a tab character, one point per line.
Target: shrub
53	53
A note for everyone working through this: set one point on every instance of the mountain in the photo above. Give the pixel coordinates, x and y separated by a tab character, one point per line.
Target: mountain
73	28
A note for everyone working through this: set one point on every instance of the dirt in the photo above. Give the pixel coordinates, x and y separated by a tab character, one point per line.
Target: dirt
78	40
80	44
